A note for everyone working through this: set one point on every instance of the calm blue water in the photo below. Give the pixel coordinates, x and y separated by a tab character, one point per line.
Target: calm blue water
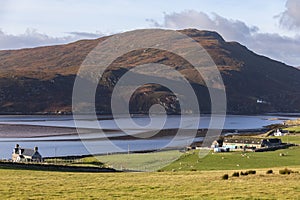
71	145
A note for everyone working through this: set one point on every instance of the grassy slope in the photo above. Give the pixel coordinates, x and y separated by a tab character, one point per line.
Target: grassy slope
165	185
133	161
295	139
190	161
140	161
236	160
294	129
214	161
239	160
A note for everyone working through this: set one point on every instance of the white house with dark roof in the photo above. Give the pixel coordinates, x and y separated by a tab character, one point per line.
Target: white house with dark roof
278	132
238	143
22	154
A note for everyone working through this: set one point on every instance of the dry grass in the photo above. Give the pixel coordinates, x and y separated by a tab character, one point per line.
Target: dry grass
294	122
22	184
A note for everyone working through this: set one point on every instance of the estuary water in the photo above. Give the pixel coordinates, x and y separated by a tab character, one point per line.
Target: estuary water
96	141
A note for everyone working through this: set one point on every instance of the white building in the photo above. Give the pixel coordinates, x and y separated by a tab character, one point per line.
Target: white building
278	133
22	154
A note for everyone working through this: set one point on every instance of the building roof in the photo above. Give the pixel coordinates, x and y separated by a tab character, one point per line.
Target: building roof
243	140
27	152
251	140
274	140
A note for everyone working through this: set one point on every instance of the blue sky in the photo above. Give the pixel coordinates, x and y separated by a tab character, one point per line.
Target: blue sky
269	27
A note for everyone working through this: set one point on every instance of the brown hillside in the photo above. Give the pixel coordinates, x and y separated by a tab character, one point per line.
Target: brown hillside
41	79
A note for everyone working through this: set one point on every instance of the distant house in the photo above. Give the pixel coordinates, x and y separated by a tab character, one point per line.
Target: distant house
195	145
278	132
199	145
249	143
21	154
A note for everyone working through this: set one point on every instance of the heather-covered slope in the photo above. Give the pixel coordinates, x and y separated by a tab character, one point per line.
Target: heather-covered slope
40	80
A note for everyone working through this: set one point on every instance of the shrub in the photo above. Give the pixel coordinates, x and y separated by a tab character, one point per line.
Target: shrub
244	173
251	172
285	171
236	174
225	176
269	171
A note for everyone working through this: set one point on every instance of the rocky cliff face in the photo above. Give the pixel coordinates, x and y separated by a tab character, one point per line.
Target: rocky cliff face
40	80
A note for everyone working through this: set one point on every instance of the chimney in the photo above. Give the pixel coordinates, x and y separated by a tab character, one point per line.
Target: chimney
16	149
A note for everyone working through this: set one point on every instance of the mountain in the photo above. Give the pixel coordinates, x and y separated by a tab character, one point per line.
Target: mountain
40	80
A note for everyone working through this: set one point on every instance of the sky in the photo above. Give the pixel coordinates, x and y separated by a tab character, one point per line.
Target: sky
268	27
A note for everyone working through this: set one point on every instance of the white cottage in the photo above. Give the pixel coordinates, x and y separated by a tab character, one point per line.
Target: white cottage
278	133
21	154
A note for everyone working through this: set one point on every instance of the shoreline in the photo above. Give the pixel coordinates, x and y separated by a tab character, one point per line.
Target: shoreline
39	131
110	116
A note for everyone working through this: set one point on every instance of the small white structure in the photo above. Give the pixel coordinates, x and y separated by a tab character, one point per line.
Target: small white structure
261	101
215	144
220	149
278	133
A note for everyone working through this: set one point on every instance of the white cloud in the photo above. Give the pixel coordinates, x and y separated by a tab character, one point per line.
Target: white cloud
285	49
290	18
231	29
32	38
86	34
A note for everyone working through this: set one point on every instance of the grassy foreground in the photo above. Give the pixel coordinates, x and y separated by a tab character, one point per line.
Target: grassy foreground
24	184
187	178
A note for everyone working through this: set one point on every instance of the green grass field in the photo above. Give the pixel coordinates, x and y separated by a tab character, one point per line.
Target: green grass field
190	161
295	139
140	161
134	161
295	129
24	184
